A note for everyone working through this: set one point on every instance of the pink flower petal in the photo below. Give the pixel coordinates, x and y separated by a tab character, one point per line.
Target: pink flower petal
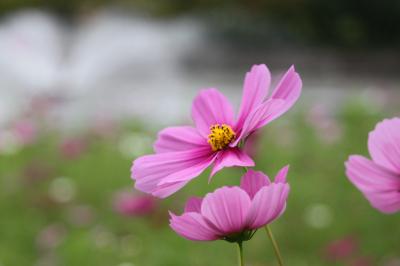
192	226
268	204
193	204
281	175
384	144
288	88
252	181
255	90
163	191
211	107
379	185
150	170
188	172
179	139
231	157
265	113
226	209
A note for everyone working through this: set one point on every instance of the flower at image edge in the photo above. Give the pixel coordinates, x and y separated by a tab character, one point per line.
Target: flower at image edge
379	179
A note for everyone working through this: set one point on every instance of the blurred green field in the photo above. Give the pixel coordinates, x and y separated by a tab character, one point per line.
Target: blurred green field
59	211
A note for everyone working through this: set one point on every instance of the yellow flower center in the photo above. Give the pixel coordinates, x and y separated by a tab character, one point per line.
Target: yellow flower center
220	136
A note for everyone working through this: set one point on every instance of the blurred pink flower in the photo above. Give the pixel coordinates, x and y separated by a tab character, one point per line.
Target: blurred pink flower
379	178
37	170
326	126
50	236
25	131
341	249
105	128
183	153
362	261
81	215
134	204
234	213
72	148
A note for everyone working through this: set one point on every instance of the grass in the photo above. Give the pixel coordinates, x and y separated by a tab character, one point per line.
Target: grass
323	206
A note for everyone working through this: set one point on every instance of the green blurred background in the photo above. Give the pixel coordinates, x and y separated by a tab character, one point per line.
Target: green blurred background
67	141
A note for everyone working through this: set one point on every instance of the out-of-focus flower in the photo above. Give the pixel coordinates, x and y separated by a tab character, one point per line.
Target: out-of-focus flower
392	262
62	189
134	144
362	261
182	153
9	143
15	137
37	170
379	179
51	236
102	237
327	127
81	215
234	213
318	216
25	131
105	128
73	148
341	249
134	204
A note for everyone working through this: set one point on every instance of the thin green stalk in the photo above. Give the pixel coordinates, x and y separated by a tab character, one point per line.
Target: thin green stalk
275	245
240	254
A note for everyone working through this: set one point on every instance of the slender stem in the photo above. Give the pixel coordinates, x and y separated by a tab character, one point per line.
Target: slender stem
245	169
275	245
240	254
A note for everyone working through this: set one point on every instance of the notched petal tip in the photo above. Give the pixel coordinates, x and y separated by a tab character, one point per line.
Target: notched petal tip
252	181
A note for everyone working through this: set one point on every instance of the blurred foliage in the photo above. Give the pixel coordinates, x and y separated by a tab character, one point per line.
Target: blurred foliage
339	23
323	206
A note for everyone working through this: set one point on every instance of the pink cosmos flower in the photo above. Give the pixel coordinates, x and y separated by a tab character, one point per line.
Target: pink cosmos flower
234	213
25	131
182	153
341	249
72	148
134	204
379	178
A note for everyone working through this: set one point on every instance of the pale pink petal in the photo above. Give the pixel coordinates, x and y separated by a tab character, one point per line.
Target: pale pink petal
179	139
255	90
188	173
384	144
252	181
288	88
193	204
211	107
281	175
231	157
265	113
226	209
192	226
163	191
268	204
282	99
150	170
378	184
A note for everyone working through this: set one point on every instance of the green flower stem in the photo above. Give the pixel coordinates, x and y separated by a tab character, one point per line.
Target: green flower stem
240	254
275	245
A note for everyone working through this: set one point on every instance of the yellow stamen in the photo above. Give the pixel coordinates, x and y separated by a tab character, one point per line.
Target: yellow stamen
220	136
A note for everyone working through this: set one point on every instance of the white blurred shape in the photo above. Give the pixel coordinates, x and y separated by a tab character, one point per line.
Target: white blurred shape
31	50
112	63
318	216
